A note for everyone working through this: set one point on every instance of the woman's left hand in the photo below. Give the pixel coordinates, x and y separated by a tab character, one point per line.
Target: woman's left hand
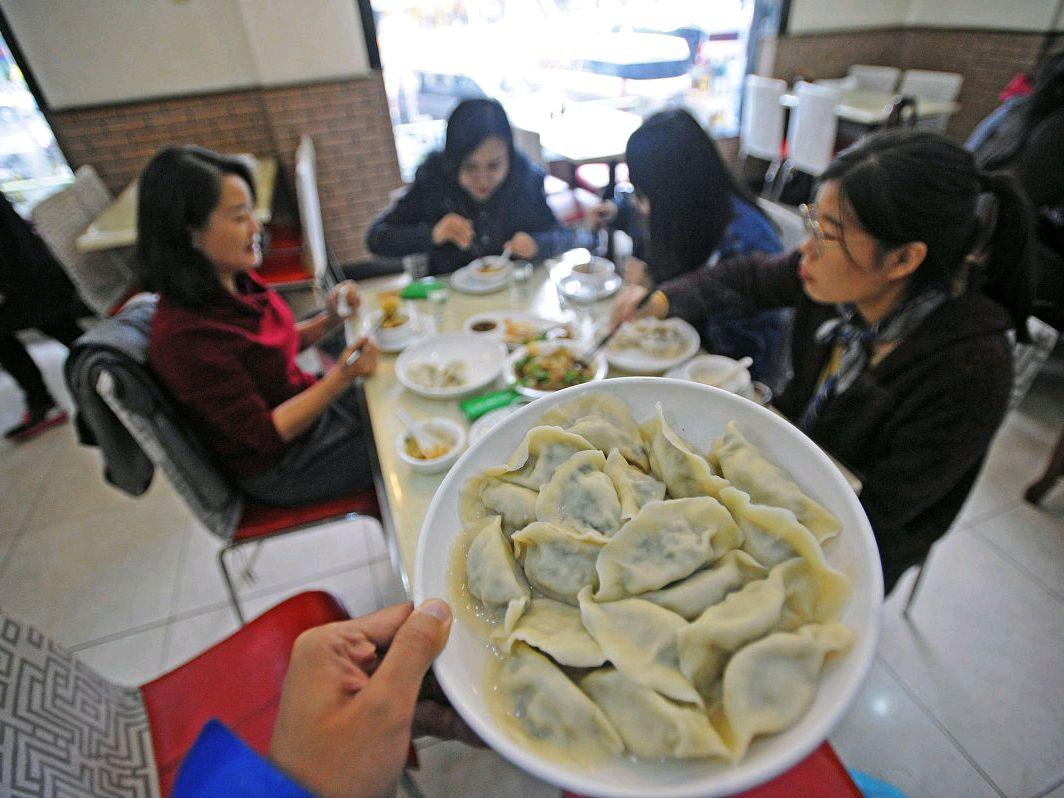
349	290
523	246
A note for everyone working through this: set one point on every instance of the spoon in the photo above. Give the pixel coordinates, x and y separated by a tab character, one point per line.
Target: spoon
425	438
724	377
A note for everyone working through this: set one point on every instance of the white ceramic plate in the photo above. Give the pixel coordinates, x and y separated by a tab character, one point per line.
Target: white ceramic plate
636	361
581	290
700	414
483	424
599	364
468	281
499	317
483	362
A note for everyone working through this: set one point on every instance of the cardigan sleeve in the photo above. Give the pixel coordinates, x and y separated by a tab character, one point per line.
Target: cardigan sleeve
404	228
735	287
220	765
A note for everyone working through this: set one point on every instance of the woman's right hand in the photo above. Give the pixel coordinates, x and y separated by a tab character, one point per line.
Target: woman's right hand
366	363
624	306
454	228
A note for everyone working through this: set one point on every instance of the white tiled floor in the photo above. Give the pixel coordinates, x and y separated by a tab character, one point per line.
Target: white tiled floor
967	699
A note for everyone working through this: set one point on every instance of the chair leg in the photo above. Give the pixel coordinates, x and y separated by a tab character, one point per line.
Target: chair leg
768	184
230	586
1054	470
920	573
779	182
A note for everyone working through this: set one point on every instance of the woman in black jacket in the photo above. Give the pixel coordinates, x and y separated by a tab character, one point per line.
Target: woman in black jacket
904	295
476	197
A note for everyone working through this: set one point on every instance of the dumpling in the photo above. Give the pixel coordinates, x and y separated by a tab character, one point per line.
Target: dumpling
769	684
540	453
639	638
814	593
550	714
556	629
605	421
486	494
749	470
581	496
492	575
651	725
634	488
747	615
772	535
666	541
673	461
690	597
558	562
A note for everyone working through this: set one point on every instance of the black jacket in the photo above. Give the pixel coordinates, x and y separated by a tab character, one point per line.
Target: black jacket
34	289
914	428
519	205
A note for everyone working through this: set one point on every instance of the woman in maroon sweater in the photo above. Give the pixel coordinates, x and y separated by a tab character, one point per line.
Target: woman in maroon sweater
225	345
904	294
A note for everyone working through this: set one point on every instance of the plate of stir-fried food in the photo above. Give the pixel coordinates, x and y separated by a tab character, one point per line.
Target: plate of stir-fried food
540	369
515	328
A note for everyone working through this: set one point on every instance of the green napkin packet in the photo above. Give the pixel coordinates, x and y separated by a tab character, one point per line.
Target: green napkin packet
475	407
420	289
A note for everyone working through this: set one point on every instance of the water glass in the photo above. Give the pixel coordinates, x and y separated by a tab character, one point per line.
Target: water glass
438	303
520	283
416	266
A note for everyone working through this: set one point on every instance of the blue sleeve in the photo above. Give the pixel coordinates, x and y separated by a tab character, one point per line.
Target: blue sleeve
220	765
749	232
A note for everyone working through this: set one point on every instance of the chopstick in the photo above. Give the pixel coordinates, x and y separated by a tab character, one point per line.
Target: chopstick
354	356
589	356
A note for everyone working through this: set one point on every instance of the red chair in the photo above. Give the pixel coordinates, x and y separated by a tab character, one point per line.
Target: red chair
68	731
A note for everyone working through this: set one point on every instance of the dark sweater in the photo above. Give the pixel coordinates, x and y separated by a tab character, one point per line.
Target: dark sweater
914	428
230	364
519	205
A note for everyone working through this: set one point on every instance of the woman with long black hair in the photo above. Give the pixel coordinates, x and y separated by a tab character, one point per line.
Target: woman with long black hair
475	197
688	212
904	293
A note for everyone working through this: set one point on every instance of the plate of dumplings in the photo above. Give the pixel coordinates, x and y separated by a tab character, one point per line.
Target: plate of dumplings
659	588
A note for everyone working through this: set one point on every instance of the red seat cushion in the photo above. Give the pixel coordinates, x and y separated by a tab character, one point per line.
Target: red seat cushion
238	681
261	520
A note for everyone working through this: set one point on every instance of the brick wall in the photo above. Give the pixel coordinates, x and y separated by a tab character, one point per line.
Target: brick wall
987	59
348	120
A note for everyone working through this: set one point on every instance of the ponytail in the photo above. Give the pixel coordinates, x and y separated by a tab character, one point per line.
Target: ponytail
1009	269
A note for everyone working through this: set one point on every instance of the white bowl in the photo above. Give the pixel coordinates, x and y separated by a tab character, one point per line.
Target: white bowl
703	368
445	427
395	337
483	359
489	269
546	347
700	414
594	272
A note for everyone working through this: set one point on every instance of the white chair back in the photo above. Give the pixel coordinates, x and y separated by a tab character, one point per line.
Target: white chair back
790	224
811	138
310	209
102	279
875	78
761	127
847	83
928	85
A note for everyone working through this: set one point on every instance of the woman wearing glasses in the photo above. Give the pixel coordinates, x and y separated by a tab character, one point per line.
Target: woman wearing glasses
904	295
476	197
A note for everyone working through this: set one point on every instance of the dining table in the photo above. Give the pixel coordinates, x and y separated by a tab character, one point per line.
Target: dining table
116	225
871	108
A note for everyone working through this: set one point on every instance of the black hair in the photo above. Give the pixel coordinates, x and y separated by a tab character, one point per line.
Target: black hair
906	185
178	189
470	123
674	163
1025	114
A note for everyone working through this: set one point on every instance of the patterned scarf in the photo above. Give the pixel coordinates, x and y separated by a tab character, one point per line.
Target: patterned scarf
858	341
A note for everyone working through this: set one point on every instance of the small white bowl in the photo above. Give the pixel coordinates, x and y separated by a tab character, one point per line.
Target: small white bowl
703	368
444	427
596	271
546	347
490	269
391	337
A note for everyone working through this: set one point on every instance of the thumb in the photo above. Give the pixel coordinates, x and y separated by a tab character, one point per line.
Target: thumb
416	644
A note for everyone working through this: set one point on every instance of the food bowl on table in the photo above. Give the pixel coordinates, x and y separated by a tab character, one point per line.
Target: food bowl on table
544	368
708	369
699	414
395	323
490	269
451	437
450	365
652	346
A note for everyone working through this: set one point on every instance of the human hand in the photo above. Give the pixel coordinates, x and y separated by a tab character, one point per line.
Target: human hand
348	289
602	214
522	246
351	699
454	228
635	272
366	363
